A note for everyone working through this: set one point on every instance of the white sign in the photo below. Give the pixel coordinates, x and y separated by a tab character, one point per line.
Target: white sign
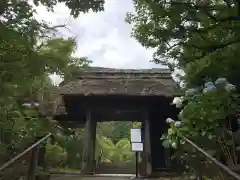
136	135
137	146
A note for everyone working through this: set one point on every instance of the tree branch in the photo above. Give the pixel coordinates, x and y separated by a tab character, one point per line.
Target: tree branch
206	50
194	6
213	48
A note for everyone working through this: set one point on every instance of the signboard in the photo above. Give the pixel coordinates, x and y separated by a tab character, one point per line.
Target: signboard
136	135
136	139
137	147
136	143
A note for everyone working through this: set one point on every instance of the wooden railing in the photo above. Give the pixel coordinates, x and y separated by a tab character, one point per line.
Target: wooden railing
33	161
222	167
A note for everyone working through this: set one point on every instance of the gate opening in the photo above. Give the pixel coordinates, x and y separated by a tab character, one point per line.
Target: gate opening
113	152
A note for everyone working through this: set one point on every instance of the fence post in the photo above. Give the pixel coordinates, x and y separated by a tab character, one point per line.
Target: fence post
200	174
41	155
32	171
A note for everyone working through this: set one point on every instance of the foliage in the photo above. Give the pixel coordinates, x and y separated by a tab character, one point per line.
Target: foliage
113	149
76	7
29	53
58	53
115	130
55	155
115	153
73	145
199	36
15	119
113	141
207	119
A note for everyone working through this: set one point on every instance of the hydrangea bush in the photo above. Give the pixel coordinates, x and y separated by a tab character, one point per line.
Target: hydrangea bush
204	116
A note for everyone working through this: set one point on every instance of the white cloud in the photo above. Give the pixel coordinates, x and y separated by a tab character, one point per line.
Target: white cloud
103	37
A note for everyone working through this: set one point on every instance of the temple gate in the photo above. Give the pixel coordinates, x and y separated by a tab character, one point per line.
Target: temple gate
105	94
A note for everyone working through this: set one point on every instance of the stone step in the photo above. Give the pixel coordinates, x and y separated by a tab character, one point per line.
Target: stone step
106	168
107	177
66	177
93	177
115	171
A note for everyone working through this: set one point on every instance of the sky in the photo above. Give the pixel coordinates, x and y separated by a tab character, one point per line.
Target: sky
105	37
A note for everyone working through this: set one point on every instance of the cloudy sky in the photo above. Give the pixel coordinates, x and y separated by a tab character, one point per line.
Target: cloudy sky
102	37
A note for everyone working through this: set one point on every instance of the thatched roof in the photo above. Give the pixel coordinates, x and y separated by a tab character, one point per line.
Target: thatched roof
51	102
106	81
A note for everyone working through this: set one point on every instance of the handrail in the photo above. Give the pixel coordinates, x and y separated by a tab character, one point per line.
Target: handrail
11	161
224	167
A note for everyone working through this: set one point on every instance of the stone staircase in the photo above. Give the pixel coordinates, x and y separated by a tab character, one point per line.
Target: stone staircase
80	177
127	168
105	177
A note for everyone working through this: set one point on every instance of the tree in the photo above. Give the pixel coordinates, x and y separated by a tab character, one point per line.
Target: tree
115	153
201	36
116	130
25	65
208	118
76	7
72	143
29	52
58	54
55	155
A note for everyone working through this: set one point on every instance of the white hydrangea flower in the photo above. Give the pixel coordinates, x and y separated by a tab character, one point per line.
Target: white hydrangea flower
209	83
36	104
177	124
30	105
193	177
209	89
221	81
203	133
27	105
182	141
169	120
174	145
210	137
238	120
230	87
183	84
178	101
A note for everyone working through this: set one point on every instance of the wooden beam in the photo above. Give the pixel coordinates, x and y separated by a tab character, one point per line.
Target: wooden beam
101	116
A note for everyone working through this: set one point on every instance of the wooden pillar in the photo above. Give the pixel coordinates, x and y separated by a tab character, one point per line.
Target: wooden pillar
89	145
146	164
41	155
147	145
94	129
142	165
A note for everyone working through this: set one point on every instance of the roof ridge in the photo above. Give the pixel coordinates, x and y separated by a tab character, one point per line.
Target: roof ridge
117	70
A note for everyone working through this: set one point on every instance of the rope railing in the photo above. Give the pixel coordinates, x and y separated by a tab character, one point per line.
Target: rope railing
32	167
214	160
